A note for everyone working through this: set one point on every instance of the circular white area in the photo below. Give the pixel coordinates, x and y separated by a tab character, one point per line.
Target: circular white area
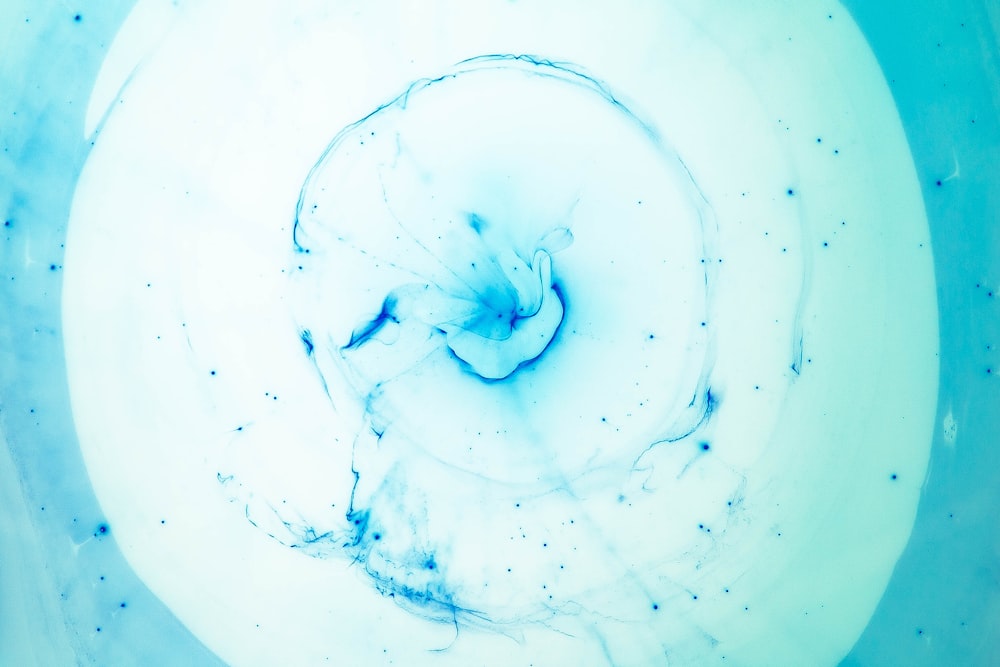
497	267
231	463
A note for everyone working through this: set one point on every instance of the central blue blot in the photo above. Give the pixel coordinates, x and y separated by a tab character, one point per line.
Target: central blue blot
504	314
517	321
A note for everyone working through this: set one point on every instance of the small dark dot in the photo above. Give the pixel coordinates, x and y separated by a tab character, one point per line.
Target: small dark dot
212	373
705	446
893	476
920	631
52	267
78	18
819	140
377	536
791	192
694	597
162	521
825	244
937	183
122	605
98	629
655	606
6	223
